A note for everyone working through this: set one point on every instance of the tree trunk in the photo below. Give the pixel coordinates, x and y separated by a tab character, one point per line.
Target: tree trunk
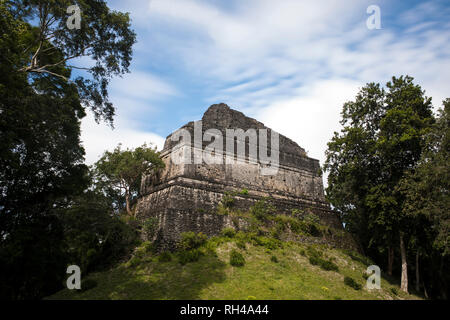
443	284
404	279
390	260
417	272
127	199
425	290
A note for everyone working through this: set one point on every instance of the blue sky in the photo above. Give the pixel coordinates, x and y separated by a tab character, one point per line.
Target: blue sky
290	64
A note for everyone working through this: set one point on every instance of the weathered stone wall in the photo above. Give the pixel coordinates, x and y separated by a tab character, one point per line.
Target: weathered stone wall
184	197
245	174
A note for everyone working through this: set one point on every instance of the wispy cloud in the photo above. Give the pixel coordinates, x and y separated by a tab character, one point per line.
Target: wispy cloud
96	138
291	64
142	85
289	44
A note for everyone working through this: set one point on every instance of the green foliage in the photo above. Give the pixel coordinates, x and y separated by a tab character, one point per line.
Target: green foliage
150	226
296	213
388	174
269	243
426	188
222	210
313	230
382	137
316	258
244	192
349	281
32	259
191	240
262	210
41	157
88	284
96	238
165	257
328	265
274	259
121	171
228	232
311	218
394	291
236	258
358	257
308	226
189	247
241	244
105	37
210	278
134	261
227	200
241	240
278	230
149	247
187	256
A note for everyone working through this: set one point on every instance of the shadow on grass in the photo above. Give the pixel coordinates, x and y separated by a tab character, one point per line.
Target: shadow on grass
171	280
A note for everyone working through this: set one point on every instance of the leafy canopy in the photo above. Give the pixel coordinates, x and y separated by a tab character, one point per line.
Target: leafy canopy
383	137
123	169
48	48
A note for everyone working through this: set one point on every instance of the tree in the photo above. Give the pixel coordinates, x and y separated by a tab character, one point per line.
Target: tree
381	140
49	49
41	106
41	164
123	169
95	236
427	201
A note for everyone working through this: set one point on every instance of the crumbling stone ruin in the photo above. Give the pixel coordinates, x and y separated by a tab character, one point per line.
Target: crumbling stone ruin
185	195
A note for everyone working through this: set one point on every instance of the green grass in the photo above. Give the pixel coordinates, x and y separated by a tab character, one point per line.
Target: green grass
212	276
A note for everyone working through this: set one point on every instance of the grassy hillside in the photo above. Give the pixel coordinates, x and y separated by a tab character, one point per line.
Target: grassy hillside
273	269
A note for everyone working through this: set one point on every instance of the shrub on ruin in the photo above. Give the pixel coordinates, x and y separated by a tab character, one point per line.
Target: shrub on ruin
227	200
240	243
189	256
236	258
165	257
268	243
311	218
328	265
191	240
316	258
150	226
352	283
244	192
228	232
262	210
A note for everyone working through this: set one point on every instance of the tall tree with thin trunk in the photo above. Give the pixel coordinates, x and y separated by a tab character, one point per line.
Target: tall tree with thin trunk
382	139
427	202
122	170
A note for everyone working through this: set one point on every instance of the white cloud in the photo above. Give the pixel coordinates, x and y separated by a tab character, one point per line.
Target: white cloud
142	85
266	54
96	138
253	53
311	117
291	64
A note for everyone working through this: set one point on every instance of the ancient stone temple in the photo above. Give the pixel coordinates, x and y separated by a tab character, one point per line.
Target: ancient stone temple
185	195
